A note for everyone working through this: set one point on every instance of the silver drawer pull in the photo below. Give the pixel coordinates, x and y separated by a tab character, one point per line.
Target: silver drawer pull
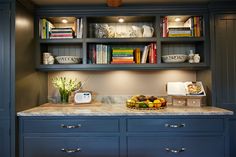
175	151
70	150
175	125
70	126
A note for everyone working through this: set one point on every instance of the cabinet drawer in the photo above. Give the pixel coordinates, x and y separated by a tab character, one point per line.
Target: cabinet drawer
71	126
198	125
71	146
176	146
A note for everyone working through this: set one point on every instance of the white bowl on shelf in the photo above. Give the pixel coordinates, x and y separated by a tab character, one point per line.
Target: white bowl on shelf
174	58
68	59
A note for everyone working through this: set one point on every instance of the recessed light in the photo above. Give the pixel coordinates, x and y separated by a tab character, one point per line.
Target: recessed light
121	20
64	21
177	19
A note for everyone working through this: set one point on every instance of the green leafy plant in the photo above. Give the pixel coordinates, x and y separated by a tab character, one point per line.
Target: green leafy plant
65	87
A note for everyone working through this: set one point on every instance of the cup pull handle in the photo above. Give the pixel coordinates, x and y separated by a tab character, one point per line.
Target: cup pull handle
70	150
175	151
70	126
175	125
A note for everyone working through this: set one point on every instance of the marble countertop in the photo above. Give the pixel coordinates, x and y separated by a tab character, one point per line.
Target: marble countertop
99	109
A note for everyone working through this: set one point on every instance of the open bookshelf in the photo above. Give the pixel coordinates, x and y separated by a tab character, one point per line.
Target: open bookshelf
93	35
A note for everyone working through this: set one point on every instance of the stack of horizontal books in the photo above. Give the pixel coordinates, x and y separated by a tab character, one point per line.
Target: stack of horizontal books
180	32
61	33
122	56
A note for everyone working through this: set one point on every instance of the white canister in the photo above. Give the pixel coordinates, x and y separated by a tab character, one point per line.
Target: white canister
196	58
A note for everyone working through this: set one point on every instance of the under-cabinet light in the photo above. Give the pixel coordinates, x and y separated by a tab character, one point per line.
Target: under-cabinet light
177	19
121	20
64	21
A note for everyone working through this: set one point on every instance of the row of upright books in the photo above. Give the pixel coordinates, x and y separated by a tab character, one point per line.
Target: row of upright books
48	30
192	27
105	54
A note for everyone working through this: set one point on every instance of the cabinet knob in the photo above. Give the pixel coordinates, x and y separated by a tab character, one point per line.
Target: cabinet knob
175	125
175	151
70	150
70	126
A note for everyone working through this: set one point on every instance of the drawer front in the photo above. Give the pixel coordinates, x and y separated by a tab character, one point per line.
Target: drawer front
176	146
71	147
71	126
175	125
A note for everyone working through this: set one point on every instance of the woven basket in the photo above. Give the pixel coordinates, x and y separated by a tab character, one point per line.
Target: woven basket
114	3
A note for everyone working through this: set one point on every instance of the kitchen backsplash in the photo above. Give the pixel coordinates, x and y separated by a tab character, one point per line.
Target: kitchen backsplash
106	85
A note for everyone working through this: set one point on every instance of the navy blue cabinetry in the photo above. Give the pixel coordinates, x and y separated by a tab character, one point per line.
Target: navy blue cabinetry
132	136
224	65
75	146
5	78
4	61
4	138
193	146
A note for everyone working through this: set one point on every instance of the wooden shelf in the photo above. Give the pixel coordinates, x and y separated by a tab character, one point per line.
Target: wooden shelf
60	41
120	40
182	39
60	67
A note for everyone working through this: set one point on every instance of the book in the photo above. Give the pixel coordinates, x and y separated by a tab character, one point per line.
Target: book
185	88
164	27
144	55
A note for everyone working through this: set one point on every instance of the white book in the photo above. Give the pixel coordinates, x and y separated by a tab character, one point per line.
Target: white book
78	28
145	54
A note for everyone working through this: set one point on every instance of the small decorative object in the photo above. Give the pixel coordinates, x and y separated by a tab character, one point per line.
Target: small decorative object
68	59
101	30
147	31
48	58
190	56
137	31
65	87
114	3
175	58
196	58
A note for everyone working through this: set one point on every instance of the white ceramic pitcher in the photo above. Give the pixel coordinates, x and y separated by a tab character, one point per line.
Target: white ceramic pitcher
148	31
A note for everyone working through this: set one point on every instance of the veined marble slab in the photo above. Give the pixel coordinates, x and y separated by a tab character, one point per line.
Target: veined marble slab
98	109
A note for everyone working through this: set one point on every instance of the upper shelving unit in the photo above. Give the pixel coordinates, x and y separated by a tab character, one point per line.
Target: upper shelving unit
122	42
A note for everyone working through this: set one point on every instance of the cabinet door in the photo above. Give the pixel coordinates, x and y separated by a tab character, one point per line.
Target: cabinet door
225	60
4	61
71	146
4	138
225	68
176	146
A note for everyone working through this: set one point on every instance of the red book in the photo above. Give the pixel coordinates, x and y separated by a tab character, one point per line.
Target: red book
155	53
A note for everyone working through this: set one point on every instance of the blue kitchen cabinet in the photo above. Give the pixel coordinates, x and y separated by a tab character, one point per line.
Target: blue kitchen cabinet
224	65
71	146
170	146
125	136
5	79
4	61
4	138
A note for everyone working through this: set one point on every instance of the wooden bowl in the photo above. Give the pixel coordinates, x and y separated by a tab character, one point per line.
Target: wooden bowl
114	3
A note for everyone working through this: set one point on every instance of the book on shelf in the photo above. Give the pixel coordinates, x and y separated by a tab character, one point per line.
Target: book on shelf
122	56
99	54
45	28
165	27
62	33
192	27
149	54
48	31
79	28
